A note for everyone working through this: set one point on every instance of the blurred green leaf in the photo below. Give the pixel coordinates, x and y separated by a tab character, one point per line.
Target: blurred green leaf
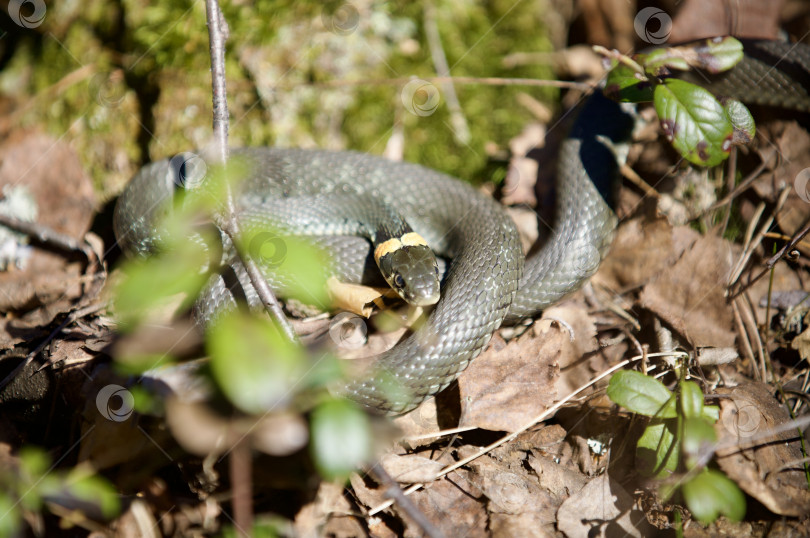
624	84
253	362
694	122
93	490
150	284
656	451
300	268
9	515
641	394
691	399
659	61
341	438
711	494
711	413
698	437
717	55
34	462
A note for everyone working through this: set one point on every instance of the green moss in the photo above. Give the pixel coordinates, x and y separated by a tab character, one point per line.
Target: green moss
159	53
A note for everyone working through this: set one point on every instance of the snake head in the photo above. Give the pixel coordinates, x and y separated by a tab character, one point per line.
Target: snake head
410	268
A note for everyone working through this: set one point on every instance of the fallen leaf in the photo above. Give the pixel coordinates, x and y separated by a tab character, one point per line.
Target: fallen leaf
511	383
601	508
768	467
689	295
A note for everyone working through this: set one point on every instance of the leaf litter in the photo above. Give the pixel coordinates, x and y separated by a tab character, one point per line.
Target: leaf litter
573	474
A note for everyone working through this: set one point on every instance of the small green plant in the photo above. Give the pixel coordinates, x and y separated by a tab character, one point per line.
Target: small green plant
678	439
253	365
29	482
701	129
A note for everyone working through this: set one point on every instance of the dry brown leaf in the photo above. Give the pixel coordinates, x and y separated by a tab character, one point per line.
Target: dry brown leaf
802	344
354	297
574	371
768	468
411	468
50	283
643	247
558	480
452	506
698	19
330	514
601	508
511	383
689	296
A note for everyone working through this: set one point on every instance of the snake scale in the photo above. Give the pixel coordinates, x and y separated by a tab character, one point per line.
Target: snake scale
488	281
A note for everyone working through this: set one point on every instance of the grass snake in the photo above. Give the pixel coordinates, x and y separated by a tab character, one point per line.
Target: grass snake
488	281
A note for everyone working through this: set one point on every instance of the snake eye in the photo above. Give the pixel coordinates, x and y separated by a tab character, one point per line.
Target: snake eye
399	282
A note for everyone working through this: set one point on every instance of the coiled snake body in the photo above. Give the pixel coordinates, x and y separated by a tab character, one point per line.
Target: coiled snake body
488	281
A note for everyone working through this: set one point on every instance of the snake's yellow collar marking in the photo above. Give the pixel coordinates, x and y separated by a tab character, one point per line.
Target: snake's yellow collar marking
410	239
413	239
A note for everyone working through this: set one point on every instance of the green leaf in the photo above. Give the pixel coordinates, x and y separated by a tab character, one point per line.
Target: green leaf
300	267
86	489
659	61
711	494
626	85
698	441
34	463
656	451
718	54
691	399
341	438
150	284
9	515
253	362
641	394
694	122
711	413
744	127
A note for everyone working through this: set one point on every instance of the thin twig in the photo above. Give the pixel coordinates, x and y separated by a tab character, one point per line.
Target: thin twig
229	223
744	184
461	131
392	490
487	81
240	467
46	236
